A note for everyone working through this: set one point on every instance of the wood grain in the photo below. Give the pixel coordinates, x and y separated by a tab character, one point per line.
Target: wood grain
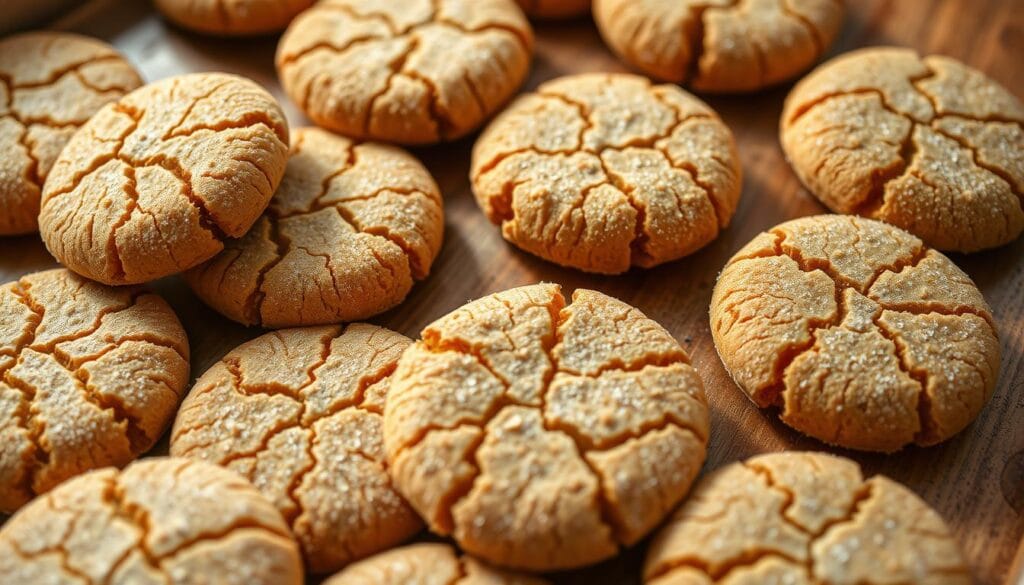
975	480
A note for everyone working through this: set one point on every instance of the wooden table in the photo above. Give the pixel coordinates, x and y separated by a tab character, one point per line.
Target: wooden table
975	480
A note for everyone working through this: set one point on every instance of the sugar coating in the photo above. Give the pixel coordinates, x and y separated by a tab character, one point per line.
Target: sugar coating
154	183
160	521
232	17
543	436
554	9
802	518
50	84
862	335
405	71
298	413
89	376
605	171
927	144
720	45
348	231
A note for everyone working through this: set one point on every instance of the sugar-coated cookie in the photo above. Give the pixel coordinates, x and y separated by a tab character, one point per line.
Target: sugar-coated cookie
427	564
720	45
927	144
348	231
545	9
232	17
862	335
160	521
89	376
298	413
405	71
50	84
605	171
154	183
542	435
803	518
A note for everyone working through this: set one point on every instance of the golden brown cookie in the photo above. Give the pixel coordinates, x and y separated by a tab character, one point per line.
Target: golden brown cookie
406	71
720	45
542	435
298	413
863	336
426	564
801	519
89	376
50	84
232	17
160	521
927	144
154	183
605	171
553	9
349	229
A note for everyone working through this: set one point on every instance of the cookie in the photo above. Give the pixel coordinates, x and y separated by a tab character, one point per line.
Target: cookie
426	564
50	84
232	17
552	9
542	435
405	71
154	183
89	376
605	171
803	518
348	231
298	412
859	333
720	46
927	144
161	520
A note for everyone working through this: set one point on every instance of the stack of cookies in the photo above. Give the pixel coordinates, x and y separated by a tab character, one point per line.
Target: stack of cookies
529	431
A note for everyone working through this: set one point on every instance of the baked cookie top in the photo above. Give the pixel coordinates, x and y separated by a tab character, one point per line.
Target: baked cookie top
405	71
927	144
542	435
154	183
862	335
426	564
232	17
350	228
50	84
605	171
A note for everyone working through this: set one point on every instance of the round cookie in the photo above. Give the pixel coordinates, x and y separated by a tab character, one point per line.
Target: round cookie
864	337
349	229
298	412
803	518
154	183
927	144
605	171
161	520
405	71
426	564
232	17
89	376
553	9
720	46
50	84
542	435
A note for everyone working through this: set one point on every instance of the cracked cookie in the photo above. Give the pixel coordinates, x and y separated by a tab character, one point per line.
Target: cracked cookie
348	231
858	332
160	521
542	435
298	413
89	376
720	46
405	71
553	9
426	564
232	17
803	518
50	84
154	183
927	144
605	171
